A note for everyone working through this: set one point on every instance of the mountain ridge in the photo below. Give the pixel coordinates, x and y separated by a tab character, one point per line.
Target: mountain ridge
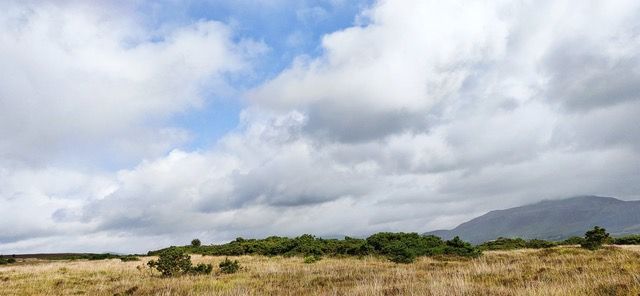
551	220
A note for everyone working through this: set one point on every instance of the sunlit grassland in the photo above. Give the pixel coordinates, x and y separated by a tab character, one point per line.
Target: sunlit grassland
557	271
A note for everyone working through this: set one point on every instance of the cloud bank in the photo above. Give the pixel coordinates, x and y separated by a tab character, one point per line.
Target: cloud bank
419	116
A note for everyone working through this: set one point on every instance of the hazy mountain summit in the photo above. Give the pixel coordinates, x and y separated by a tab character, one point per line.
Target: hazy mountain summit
551	220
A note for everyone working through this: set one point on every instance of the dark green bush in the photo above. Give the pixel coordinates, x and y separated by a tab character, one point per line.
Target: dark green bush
458	247
229	266
4	261
306	245
539	244
594	238
172	262
399	252
100	256
202	268
503	243
352	247
384	243
196	243
128	258
627	240
574	240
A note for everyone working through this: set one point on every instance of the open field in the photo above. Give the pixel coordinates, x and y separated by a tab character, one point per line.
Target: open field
557	271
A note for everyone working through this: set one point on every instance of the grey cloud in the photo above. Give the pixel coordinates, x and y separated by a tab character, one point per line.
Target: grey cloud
292	181
339	121
610	126
583	76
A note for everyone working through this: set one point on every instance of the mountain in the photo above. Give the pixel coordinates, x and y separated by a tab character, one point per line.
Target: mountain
551	220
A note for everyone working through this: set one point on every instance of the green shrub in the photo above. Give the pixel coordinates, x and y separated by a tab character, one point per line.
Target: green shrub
627	240
100	256
172	262
539	244
4	261
399	252
594	238
386	243
196	243
229	266
574	240
201	268
128	258
307	245
503	243
458	247
352	247
312	259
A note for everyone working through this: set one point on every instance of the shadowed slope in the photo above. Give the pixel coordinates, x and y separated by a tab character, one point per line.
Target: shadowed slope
551	220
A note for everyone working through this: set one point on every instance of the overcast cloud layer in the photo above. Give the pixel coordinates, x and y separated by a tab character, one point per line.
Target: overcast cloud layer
419	116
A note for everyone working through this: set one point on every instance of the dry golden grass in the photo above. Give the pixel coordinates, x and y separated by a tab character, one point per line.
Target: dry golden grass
558	271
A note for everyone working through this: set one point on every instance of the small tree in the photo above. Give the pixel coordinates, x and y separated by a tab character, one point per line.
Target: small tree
594	238
196	242
174	261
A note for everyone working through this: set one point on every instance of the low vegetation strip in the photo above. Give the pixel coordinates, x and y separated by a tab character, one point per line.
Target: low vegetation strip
627	240
398	247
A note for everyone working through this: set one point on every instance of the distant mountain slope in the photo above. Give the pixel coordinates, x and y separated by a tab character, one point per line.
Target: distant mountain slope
551	220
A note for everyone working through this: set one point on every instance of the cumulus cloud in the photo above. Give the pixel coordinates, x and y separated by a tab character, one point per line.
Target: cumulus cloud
89	87
393	69
422	115
98	82
46	202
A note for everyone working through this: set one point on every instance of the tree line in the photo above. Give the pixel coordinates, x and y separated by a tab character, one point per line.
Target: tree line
399	247
592	240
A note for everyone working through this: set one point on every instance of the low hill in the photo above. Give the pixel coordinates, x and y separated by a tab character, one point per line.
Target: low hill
551	220
64	256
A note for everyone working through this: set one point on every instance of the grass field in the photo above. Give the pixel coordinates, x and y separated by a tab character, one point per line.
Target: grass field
557	271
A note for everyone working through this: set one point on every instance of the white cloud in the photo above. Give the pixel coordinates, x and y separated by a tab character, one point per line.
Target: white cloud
426	114
409	58
97	81
46	202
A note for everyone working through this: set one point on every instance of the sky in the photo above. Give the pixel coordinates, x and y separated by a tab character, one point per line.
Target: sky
127	126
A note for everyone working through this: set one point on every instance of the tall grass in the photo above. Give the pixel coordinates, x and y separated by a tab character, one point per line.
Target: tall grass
555	271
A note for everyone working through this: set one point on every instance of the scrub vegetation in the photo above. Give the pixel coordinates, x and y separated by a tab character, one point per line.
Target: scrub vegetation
398	247
382	264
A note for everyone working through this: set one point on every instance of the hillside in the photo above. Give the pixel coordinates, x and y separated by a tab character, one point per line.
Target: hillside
551	220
